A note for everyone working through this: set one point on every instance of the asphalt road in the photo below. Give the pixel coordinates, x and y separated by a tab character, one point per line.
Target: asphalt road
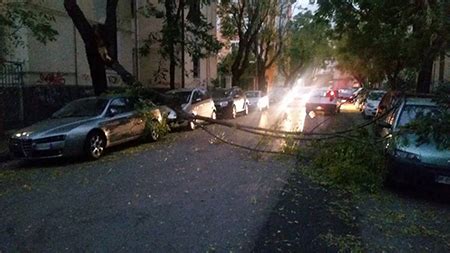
186	193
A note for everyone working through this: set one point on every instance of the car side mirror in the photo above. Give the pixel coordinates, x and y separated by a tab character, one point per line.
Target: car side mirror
383	124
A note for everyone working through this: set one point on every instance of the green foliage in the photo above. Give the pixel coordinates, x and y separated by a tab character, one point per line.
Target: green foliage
308	45
259	26
199	42
354	164
17	15
378	39
148	111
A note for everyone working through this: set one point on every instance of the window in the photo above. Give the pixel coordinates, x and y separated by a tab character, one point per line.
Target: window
120	105
196	67
196	96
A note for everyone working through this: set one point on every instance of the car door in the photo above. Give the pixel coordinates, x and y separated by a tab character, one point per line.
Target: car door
208	104
119	124
197	105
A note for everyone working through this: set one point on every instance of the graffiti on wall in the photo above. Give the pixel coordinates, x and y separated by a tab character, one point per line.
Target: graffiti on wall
52	78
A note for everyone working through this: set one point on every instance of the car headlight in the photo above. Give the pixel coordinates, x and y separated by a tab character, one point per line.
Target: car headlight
407	155
223	104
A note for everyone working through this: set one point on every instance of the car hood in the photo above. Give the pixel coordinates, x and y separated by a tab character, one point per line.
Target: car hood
428	152
54	126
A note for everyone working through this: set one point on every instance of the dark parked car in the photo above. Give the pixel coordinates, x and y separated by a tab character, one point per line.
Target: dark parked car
85	126
230	102
407	160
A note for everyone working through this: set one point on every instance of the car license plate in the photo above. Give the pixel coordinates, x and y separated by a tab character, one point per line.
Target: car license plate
443	180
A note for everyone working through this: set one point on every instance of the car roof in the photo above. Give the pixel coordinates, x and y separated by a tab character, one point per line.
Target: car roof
182	90
377	91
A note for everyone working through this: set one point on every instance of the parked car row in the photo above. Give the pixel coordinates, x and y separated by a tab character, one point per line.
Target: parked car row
409	161
88	126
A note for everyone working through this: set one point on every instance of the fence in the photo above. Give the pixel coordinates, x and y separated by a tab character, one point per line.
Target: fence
11	95
25	104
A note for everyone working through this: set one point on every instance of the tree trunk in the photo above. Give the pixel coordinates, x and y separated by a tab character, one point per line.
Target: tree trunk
172	66
262	84
96	64
425	76
442	66
171	25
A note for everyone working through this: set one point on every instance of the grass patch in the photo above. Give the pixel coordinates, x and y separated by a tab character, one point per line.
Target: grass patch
353	164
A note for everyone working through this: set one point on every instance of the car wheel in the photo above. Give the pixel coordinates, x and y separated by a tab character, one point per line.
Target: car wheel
95	145
246	109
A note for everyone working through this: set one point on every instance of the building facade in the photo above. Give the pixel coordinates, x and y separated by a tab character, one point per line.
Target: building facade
441	70
198	72
64	62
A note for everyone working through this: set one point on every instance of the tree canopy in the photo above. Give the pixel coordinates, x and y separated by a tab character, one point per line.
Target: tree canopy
18	15
388	37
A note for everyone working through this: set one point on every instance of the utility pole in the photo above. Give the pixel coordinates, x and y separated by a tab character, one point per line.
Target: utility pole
182	44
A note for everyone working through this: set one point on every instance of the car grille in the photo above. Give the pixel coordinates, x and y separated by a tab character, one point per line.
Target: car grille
21	147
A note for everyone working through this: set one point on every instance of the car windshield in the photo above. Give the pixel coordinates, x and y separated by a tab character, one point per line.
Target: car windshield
319	93
413	112
221	93
88	107
252	94
182	96
375	95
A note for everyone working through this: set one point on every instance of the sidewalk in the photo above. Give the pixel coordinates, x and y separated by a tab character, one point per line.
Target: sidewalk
4	152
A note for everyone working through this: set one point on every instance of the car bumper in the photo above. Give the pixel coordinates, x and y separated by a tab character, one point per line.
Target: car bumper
414	173
220	111
25	149
320	107
370	111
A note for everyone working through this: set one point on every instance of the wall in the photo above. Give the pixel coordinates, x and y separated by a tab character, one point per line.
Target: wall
63	62
436	69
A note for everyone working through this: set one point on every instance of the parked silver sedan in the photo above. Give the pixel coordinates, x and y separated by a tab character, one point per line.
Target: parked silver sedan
83	127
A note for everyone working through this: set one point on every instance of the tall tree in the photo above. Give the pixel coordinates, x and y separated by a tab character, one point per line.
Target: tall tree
100	44
243	20
270	40
390	37
307	46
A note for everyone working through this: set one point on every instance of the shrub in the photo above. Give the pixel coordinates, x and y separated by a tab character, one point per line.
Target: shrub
354	163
